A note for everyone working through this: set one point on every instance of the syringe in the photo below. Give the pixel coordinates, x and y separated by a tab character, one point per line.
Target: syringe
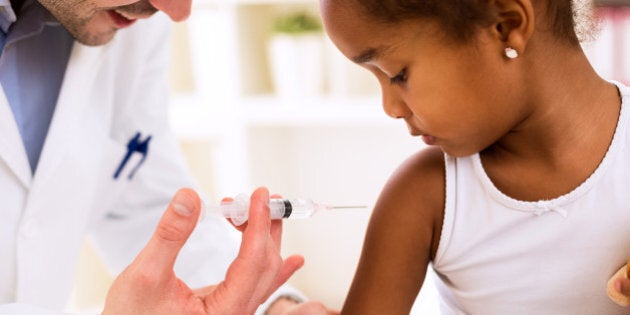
238	209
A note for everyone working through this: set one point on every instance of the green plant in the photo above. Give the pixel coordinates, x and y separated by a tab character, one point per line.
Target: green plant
297	23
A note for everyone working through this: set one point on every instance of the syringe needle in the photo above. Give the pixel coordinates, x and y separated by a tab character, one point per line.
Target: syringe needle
348	207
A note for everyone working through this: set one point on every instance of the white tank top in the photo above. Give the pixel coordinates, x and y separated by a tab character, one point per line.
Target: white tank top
498	255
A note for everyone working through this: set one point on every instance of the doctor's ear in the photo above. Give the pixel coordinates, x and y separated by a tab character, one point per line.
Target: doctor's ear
514	24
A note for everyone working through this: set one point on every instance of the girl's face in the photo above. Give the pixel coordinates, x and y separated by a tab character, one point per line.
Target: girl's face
460	96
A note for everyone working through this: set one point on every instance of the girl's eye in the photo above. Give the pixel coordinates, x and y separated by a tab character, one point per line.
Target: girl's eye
400	78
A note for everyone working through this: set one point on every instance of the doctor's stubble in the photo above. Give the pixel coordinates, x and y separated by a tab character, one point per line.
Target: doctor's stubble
88	20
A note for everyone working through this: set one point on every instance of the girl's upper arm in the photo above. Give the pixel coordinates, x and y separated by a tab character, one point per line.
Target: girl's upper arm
401	238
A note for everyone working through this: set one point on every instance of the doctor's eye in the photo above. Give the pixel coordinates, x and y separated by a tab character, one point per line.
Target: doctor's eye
400	78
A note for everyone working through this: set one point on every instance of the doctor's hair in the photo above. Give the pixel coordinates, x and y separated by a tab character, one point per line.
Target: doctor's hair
462	18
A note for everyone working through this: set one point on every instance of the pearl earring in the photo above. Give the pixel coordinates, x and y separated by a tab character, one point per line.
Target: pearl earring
511	52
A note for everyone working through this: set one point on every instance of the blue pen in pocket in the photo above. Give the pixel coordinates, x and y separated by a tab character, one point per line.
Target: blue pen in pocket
135	145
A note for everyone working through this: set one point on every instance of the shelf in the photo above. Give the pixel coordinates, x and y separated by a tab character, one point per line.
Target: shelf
191	118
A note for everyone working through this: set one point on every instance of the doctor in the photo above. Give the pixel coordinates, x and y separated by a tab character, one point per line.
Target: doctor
85	150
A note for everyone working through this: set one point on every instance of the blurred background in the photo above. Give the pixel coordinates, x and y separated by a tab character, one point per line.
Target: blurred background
261	97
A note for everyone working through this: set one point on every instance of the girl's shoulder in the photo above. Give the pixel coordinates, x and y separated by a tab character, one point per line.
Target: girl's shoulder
416	192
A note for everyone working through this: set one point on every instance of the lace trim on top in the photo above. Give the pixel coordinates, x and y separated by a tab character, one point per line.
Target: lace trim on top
556	205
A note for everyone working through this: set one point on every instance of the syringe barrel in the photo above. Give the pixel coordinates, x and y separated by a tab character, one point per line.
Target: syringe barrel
294	208
238	209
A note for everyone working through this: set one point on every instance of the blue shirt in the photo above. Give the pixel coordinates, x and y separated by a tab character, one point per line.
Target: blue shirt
34	49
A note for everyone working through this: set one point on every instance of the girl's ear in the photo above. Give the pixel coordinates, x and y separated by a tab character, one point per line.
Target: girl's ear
515	22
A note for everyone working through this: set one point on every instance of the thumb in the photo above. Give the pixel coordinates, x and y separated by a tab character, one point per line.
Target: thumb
172	232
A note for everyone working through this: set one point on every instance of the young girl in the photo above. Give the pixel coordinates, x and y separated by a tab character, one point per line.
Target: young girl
521	203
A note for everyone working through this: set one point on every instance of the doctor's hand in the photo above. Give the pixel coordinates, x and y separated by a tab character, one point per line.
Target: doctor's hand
287	305
149	284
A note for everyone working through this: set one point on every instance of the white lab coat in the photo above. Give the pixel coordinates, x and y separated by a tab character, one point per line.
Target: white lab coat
109	93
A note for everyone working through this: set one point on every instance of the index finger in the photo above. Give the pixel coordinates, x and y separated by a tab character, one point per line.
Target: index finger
259	221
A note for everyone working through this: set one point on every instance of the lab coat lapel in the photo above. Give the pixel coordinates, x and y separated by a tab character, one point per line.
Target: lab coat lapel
64	169
12	150
65	135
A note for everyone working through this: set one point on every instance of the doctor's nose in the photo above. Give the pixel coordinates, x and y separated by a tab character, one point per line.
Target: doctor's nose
177	10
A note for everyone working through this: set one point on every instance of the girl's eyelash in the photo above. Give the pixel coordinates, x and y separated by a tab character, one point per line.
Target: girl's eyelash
401	77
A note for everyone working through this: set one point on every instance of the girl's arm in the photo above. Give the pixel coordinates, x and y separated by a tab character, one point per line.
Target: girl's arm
401	239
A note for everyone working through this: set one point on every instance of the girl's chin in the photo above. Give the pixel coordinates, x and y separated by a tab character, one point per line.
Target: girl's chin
428	140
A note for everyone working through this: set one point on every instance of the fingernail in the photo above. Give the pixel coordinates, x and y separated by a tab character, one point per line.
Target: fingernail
618	286
183	205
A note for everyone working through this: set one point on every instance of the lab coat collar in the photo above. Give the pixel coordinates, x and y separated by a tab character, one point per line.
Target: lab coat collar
37	13
7	15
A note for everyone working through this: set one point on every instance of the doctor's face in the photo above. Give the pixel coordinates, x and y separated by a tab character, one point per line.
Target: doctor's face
95	22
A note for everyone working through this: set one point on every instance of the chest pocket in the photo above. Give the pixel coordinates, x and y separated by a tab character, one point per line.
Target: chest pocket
120	162
109	189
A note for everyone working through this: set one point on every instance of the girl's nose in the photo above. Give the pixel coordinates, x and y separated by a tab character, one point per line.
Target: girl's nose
394	105
177	10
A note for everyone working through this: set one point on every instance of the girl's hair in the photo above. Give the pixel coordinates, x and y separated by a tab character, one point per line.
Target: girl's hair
461	18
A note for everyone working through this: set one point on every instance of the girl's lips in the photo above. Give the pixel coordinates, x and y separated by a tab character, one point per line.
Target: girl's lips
119	20
429	140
